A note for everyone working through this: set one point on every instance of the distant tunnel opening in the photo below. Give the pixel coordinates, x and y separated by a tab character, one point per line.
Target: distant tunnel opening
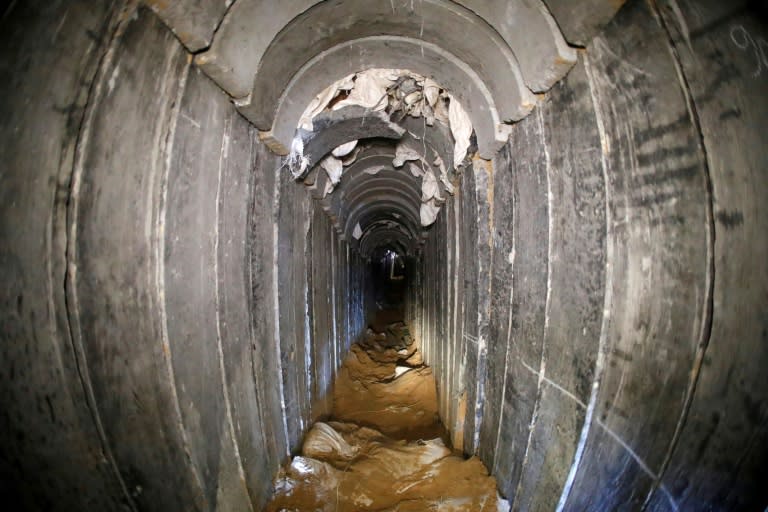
388	278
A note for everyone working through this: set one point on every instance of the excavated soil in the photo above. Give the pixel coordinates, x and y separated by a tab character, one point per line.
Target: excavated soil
384	448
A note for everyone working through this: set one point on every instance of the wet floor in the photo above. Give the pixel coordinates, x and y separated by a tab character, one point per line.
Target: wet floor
384	448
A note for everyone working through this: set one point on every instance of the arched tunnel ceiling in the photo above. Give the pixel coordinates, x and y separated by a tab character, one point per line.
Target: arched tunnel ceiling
423	58
375	202
274	58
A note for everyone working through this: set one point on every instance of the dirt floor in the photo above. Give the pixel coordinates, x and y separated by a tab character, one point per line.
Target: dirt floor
384	448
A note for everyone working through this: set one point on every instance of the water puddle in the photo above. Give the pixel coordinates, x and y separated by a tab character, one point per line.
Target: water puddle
384	448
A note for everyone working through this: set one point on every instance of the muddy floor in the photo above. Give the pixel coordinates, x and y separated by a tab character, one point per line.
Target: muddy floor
384	448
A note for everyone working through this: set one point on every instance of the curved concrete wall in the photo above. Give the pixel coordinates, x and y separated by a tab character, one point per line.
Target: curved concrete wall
614	222
149	361
174	306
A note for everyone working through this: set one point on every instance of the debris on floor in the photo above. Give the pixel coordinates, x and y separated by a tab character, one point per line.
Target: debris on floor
385	448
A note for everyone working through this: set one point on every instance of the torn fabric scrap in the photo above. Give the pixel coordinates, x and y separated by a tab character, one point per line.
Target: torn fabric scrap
461	129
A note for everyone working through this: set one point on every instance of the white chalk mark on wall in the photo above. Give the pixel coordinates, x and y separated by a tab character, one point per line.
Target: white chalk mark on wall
745	42
553	384
640	462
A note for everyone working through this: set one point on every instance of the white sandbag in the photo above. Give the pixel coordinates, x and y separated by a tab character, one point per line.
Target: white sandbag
461	129
404	154
324	443
428	212
431	91
344	149
429	187
415	170
321	101
443	174
376	169
333	168
357	232
297	163
370	90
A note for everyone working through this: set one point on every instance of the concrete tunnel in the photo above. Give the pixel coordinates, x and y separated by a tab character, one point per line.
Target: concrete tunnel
593	296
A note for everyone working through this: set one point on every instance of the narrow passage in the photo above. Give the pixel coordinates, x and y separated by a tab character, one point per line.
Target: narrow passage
384	447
